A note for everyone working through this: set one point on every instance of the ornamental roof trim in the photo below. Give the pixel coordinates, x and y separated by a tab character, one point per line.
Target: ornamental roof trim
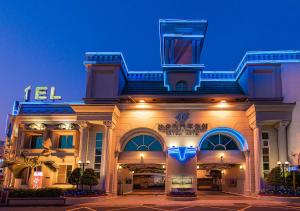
251	57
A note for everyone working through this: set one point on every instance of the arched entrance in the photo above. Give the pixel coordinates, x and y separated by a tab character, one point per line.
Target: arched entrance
141	162
221	161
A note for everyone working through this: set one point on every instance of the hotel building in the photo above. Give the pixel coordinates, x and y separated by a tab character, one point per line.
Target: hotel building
182	128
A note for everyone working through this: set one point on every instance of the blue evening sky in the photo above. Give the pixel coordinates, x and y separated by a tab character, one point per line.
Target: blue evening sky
43	42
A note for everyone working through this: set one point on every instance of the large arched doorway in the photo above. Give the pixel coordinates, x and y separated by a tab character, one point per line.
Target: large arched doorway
141	166
221	161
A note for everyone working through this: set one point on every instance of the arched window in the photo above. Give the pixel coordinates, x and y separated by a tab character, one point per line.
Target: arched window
143	143
219	142
181	86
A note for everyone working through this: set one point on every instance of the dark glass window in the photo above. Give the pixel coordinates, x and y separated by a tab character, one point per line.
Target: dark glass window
266	143
143	143
36	142
98	153
265	151
266	159
266	166
66	141
181	86
219	142
265	135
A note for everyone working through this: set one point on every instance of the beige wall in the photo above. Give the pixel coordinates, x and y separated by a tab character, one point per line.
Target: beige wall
123	175
132	119
233	174
143	118
290	74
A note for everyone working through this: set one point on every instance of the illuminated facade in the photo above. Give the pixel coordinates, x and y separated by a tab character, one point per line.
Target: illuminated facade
179	129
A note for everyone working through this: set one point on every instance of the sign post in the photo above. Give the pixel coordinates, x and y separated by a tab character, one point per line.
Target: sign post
293	169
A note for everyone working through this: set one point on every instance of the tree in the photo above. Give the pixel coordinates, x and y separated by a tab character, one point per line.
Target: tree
89	178
274	178
75	177
20	164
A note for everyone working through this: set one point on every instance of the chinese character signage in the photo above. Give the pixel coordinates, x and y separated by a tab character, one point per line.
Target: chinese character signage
181	127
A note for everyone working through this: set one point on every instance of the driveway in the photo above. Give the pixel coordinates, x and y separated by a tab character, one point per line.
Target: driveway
205	201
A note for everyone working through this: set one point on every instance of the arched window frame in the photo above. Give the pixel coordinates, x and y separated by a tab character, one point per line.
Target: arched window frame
238	137
222	142
143	145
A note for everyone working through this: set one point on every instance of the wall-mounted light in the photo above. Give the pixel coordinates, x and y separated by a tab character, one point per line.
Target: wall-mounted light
222	156
66	126
119	167
198	167
142	104
37	126
163	166
241	166
132	172
222	104
223	171
142	155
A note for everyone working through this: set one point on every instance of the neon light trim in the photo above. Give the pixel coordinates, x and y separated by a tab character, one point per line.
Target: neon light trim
182	154
227	131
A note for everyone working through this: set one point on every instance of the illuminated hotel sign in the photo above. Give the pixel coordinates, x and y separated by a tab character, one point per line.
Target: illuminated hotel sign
181	128
41	93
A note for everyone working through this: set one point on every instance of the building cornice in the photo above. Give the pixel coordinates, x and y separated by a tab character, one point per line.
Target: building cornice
254	110
183	106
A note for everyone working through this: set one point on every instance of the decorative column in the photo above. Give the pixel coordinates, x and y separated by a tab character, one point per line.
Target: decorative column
282	141
83	141
248	182
257	156
107	164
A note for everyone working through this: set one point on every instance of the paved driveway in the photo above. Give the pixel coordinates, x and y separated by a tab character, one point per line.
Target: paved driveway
206	201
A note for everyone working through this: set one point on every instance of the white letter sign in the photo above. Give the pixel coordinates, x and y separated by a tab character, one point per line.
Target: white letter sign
41	93
52	94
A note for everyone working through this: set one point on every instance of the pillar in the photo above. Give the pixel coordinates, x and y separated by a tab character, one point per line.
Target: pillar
257	157
107	166
83	141
247	185
282	141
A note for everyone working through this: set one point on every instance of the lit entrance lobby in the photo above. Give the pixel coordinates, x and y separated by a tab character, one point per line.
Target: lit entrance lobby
217	162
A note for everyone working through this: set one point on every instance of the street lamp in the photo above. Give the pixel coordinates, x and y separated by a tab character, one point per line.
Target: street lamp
283	166
82	165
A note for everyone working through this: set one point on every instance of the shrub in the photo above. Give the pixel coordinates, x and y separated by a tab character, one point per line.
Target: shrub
79	193
274	178
89	178
42	192
75	177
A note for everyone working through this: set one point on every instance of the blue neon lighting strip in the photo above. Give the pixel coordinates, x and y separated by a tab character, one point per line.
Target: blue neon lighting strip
265	57
226	131
105	56
182	154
